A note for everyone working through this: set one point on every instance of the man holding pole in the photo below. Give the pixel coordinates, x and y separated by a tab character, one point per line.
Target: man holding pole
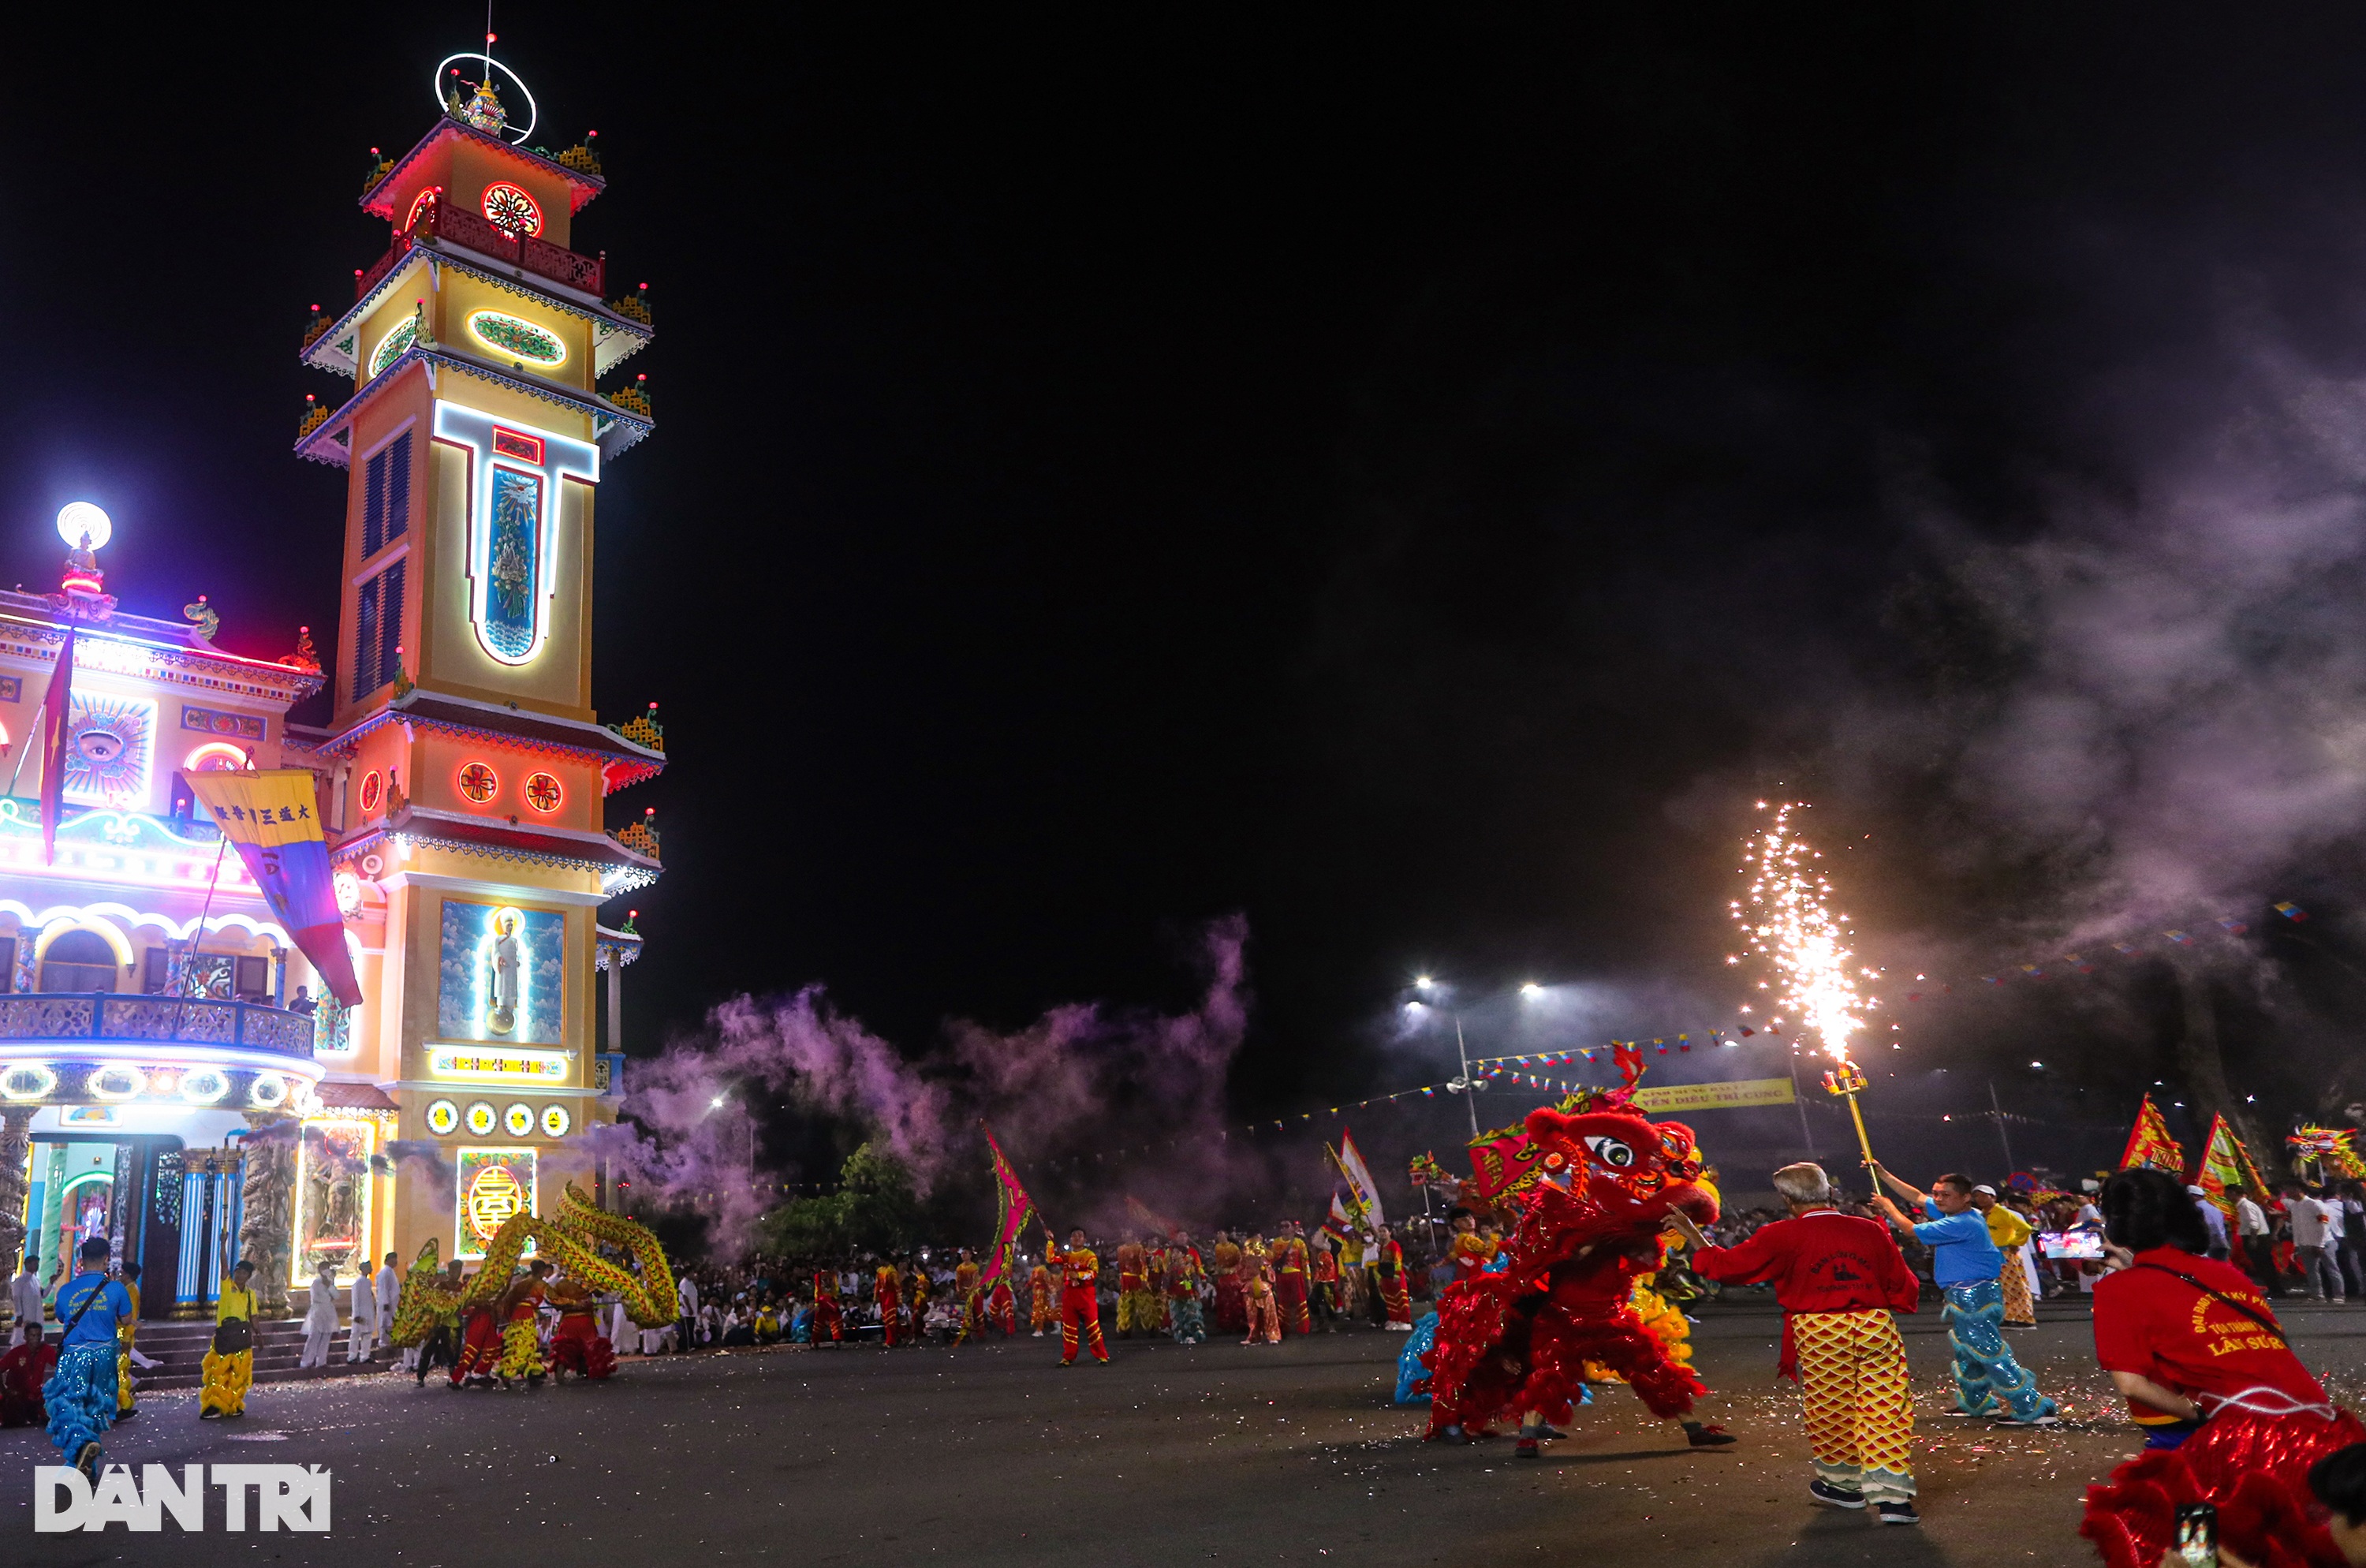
1837	1278
1965	1263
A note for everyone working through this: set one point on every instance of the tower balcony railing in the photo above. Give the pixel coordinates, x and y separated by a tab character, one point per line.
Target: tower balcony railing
529	253
124	1019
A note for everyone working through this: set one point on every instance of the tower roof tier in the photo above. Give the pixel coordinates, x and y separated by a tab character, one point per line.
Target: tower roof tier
33	625
620	870
621	761
378	199
614	336
616	429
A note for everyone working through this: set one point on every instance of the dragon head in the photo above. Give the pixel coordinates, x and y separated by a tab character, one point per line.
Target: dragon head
1628	1172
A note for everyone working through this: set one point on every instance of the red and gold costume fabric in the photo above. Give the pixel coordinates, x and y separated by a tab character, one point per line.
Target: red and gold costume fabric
521	1335
887	1290
1043	1307
1519	1340
1002	1307
577	1345
1471	1252
480	1345
1080	1307
1138	1308
1289	1284
916	1302
973	1303
2213	1339
828	1324
1257	1298
1231	1314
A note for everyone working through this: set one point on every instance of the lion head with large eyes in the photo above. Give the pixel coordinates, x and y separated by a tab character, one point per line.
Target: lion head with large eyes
1632	1171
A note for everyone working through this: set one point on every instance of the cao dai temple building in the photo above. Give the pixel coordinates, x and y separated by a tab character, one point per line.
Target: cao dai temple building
171	1072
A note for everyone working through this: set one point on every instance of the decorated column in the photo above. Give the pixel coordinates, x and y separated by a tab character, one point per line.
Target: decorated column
16	1186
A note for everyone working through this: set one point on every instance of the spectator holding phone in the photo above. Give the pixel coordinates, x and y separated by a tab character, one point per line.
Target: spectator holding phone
2230	1416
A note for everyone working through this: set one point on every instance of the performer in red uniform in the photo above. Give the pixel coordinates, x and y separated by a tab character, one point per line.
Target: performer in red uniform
1395	1299
1289	1262
1326	1275
1080	1307
1224	1261
828	1327
577	1345
23	1371
480	1345
1002	1307
888	1293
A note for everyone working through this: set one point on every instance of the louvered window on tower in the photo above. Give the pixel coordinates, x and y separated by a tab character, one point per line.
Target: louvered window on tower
386	495
378	630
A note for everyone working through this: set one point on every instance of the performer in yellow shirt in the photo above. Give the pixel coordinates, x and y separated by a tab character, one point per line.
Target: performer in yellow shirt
2009	1230
229	1361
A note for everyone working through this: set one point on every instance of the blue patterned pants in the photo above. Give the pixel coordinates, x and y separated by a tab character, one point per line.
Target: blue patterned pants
1185	1320
1986	1373
80	1397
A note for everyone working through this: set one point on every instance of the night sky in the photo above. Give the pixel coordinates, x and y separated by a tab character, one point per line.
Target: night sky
1411	479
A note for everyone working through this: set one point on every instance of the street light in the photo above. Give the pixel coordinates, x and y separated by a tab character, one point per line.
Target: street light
1532	990
1465	1086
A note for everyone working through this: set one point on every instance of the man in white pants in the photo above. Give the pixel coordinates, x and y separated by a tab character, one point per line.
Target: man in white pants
685	1290
25	1296
320	1317
363	1337
388	1287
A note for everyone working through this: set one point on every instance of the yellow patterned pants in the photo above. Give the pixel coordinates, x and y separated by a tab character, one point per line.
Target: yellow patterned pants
1860	1411
227	1379
2014	1281
1140	1311
521	1349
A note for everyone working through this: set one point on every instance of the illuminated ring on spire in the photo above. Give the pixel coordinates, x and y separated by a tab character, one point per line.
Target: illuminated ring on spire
79	518
435	86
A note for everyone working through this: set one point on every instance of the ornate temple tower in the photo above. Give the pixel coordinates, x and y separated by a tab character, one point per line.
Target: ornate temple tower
468	773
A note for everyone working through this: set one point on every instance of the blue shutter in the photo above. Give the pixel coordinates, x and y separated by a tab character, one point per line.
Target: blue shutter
398	487
390	622
366	639
373	505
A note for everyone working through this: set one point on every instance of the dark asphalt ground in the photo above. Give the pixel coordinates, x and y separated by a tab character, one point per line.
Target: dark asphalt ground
992	1454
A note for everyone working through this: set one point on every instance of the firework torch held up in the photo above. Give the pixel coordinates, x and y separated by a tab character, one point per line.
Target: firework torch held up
1845	1080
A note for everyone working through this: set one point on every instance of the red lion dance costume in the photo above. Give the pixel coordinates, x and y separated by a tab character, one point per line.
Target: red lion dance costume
1519	1340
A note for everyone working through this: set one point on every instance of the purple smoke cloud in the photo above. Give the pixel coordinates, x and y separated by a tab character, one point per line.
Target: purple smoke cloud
1066	1076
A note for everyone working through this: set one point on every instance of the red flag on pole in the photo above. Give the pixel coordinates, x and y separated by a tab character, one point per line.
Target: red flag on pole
54	705
2149	1143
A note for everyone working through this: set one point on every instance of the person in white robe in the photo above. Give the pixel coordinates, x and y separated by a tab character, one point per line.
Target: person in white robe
25	1296
363	1341
320	1317
386	1286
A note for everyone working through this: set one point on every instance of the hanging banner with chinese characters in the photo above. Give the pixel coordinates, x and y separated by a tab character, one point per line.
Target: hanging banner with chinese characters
1731	1095
269	816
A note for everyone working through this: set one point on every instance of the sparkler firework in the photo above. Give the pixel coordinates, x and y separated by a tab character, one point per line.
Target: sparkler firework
1787	919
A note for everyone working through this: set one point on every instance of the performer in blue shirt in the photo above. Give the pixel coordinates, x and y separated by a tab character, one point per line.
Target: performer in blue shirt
81	1393
1965	1264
